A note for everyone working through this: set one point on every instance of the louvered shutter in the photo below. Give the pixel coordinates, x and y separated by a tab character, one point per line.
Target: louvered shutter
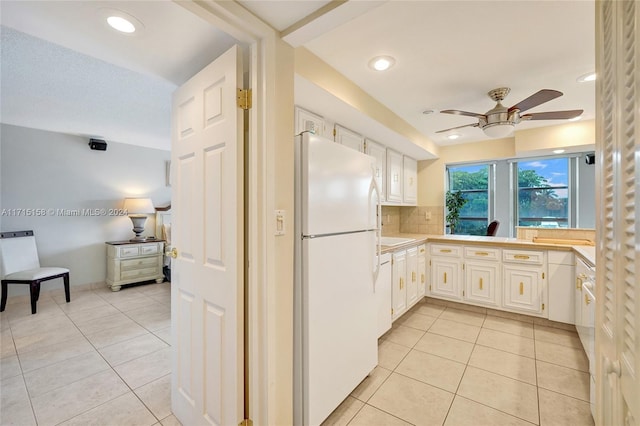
618	256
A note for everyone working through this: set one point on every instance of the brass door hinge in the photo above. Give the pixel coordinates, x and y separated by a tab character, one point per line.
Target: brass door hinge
462	293
463	266
543	275
392	262
334	134
244	99
364	144
543	306
246	422
391	311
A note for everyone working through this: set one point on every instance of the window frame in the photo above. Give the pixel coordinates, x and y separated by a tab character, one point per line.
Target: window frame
490	191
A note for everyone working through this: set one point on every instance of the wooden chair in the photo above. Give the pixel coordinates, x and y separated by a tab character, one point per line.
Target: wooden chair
21	265
492	229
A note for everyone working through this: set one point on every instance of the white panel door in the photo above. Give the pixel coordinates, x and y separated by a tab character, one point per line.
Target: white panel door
446	275
349	138
207	286
308	121
482	282
412	276
410	177
399	289
422	271
394	176
379	152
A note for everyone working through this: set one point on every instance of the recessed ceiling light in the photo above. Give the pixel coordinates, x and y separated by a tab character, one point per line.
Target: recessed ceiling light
587	77
382	63
575	118
121	21
558	151
453	136
121	24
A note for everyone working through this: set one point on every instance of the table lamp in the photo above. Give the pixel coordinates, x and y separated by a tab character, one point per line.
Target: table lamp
137	209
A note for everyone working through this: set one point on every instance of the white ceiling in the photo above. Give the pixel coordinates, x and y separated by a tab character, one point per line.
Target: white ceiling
63	70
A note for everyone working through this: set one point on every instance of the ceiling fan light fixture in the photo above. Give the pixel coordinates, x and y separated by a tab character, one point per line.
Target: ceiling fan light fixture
575	118
382	63
591	76
498	130
121	24
453	136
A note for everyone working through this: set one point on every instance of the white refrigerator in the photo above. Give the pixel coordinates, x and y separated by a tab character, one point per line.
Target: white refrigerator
337	235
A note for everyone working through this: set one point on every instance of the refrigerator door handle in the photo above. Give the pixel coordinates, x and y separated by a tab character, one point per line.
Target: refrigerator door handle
374	188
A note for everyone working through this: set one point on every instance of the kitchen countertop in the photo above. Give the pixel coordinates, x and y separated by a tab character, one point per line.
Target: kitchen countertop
588	253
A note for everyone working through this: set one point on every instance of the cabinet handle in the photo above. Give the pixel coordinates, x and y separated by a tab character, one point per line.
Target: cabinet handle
578	283
401	283
445	250
521	288
421	250
445	277
586	299
521	256
482	253
422	278
413	276
480	283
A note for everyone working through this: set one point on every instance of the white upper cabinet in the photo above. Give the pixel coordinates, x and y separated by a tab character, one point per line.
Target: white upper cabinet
394	176
348	138
379	152
410	177
308	121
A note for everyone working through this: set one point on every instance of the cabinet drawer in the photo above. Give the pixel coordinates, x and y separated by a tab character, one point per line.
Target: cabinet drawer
139	273
149	249
145	262
482	253
446	250
523	256
129	251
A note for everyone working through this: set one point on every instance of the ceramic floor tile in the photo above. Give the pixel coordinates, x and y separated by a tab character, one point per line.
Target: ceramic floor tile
111	321
344	413
55	376
430	309
446	347
23	330
82	317
416	320
47	338
146	369
69	401
15	406
371	416
170	421
405	336
122	352
562	355
79	304
561	410
563	380
55	353
164	334
557	336
130	303
465	317
123	410
412	401
431	369
370	384
507	364
7	347
465	412
457	330
9	367
507	342
510	326
502	393
22	313
157	396
115	335
466	308
390	354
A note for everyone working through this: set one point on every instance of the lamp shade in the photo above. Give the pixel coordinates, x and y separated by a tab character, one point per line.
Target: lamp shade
498	130
138	206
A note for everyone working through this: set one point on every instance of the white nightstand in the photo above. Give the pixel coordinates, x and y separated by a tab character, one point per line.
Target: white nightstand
132	262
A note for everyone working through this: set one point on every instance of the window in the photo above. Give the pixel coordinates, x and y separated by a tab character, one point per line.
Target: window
543	193
473	182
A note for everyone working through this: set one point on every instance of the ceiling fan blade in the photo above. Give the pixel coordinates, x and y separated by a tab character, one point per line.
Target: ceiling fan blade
459	127
458	112
544	95
553	115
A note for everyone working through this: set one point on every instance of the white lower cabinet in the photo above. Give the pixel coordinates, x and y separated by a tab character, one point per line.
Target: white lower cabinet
409	278
383	294
561	286
446	271
482	276
523	284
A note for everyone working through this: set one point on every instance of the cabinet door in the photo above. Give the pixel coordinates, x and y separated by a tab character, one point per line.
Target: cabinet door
394	176
383	295
349	138
422	271
523	288
482	282
399	289
306	120
379	152
445	278
410	187
561	293
412	276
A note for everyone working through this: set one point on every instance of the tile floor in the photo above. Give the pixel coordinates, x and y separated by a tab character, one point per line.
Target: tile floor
103	359
450	364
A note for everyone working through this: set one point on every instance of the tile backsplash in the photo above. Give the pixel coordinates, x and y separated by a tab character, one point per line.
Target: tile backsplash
413	220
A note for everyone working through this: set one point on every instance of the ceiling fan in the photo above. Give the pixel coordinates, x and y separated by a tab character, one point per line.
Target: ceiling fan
500	121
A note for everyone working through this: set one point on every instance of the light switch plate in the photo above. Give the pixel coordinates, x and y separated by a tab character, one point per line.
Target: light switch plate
281	222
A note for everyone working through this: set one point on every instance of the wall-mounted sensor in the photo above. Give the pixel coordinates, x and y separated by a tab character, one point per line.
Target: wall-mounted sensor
590	159
97	144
